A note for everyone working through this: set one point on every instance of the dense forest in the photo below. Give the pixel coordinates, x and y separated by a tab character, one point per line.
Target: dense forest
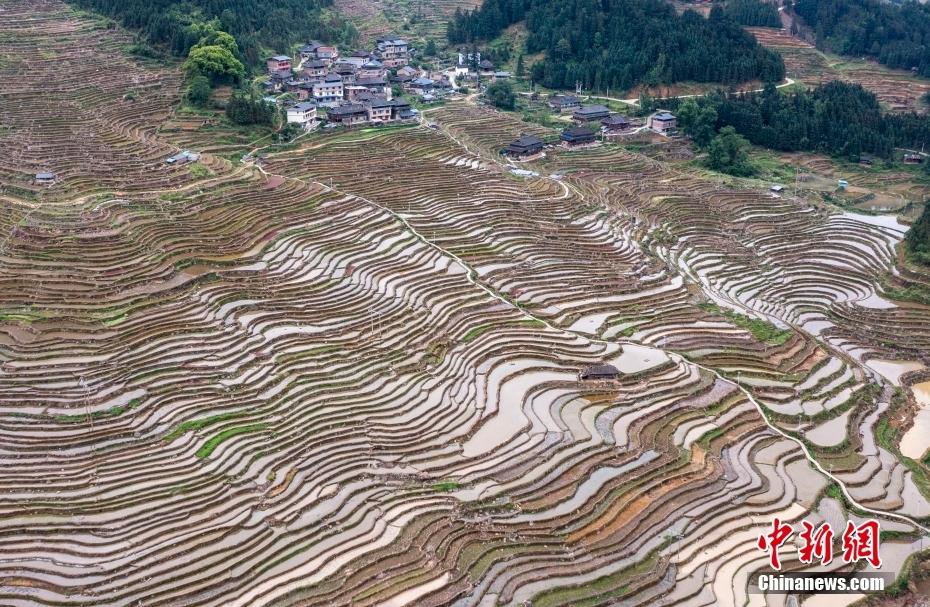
621	43
255	24
897	35
754	13
838	118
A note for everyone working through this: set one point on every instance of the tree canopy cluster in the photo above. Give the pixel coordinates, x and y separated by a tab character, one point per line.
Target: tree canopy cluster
918	238
247	109
255	24
622	43
837	118
896	34
754	13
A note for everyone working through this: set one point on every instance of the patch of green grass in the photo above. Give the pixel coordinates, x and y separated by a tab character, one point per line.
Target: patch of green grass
761	330
445	486
197	424
208	447
199	171
114	411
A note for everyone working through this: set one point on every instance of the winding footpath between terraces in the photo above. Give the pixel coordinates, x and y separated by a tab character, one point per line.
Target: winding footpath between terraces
471	275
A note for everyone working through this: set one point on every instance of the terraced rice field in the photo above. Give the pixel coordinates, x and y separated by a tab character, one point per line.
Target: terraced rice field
348	375
897	89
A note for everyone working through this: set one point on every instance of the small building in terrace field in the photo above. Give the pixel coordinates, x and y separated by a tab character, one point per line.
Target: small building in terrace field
45	178
486	68
303	114
578	136
183	157
348	114
913	159
663	122
602	372
564	103
527	145
590	113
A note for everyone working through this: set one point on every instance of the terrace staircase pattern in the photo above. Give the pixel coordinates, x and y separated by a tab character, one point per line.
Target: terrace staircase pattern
349	376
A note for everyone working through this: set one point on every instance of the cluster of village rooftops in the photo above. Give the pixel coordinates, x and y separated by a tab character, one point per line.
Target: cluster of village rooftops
590	122
355	88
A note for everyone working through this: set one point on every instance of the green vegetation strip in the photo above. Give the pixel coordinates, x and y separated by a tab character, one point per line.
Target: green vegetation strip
761	330
208	447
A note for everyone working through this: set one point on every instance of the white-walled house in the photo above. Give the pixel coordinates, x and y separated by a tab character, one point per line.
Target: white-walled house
303	114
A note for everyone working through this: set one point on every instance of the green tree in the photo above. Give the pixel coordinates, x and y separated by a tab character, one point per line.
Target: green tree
501	95
430	50
214	62
698	120
200	91
729	153
521	70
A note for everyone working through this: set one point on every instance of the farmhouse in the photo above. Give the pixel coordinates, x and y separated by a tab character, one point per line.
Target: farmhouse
183	157
330	91
393	52
615	123
564	103
486	68
348	114
314	69
590	113
279	65
913	159
527	145
501	76
599	372
303	114
45	178
578	136
663	122
317	50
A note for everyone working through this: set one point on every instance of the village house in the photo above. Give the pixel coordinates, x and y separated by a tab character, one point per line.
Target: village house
601	372
357	58
408	71
345	70
525	146
564	103
317	50
348	114
378	86
578	136
501	76
388	110
279	65
913	159
615	123
303	114
393	52
372	69
330	91
663	122
314	70
424	85
590	113
486	68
